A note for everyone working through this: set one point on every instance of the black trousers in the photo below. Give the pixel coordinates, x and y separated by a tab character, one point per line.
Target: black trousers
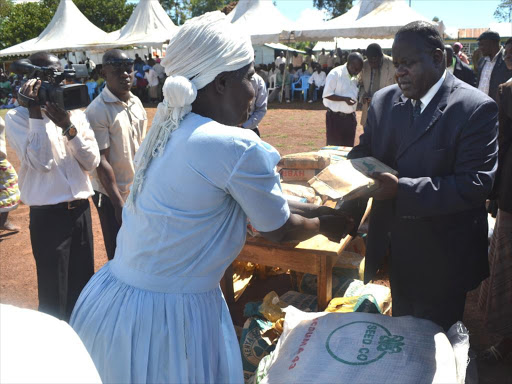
340	128
444	311
62	245
109	224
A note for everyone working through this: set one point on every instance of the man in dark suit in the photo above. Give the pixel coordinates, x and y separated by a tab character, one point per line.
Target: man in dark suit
492	70
460	70
440	134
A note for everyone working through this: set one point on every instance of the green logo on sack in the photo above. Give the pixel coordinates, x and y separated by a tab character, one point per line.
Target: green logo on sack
376	342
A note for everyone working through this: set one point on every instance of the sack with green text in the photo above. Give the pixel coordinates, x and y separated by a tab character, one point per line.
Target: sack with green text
364	348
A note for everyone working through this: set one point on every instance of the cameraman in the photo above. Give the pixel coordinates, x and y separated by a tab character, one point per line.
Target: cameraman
56	149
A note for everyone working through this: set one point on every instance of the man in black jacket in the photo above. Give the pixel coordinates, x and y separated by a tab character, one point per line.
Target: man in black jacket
460	70
492	70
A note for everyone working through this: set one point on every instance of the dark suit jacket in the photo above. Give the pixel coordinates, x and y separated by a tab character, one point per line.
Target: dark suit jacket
446	161
503	185
500	74
463	72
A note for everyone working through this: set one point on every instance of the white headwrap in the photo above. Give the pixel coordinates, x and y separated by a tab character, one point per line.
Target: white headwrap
203	48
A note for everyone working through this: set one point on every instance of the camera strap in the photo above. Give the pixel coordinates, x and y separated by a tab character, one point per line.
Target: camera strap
25	99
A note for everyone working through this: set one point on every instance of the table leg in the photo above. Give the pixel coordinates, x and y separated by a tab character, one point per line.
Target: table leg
324	287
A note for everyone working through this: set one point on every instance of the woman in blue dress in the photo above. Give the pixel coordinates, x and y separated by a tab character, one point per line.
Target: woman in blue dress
155	313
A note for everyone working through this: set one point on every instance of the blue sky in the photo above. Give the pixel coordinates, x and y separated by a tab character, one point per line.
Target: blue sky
454	13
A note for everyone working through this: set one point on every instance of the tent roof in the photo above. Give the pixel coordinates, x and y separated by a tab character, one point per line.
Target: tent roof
261	20
148	24
367	19
283	47
346	43
68	30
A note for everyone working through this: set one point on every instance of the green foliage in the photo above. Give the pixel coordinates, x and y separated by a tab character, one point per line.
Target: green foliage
302	45
436	19
109	15
24	21
504	11
334	7
5	6
178	10
199	7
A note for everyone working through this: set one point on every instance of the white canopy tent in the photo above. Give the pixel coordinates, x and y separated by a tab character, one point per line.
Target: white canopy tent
347	44
69	30
149	24
261	20
378	19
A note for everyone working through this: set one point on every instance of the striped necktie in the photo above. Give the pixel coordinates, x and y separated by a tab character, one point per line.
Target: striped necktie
416	112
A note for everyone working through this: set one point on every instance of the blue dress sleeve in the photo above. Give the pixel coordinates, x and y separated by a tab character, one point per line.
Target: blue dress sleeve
254	184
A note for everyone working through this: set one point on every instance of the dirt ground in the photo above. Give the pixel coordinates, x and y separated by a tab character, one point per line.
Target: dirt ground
290	128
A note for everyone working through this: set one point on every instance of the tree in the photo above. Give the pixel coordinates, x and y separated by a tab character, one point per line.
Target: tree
199	7
504	11
108	15
436	19
334	7
24	21
178	10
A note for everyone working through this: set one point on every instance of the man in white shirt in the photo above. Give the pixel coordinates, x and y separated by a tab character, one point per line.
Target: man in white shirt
340	98
153	83
322	60
281	59
492	70
119	122
316	82
258	104
160	71
56	149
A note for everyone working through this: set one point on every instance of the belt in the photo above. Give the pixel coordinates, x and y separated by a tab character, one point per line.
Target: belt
65	205
340	113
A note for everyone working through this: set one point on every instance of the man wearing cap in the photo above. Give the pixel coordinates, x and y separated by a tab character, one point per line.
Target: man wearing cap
378	72
119	122
492	70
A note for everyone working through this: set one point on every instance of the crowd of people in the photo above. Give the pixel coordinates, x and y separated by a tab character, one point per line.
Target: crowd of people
174	201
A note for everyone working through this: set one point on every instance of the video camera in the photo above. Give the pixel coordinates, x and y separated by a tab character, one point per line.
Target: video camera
66	96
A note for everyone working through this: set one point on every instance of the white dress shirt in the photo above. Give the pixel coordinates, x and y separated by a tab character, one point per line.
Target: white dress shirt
485	77
425	100
318	78
53	168
160	70
258	104
152	78
340	83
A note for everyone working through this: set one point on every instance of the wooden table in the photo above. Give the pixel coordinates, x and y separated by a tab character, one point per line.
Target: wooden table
317	256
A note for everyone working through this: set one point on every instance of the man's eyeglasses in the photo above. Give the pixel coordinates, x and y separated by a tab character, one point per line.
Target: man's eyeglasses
121	65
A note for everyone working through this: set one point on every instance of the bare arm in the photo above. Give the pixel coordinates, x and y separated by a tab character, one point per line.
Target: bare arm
299	228
108	180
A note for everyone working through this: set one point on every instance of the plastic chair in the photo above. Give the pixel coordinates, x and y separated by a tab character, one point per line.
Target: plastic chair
301	85
272	83
91	88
